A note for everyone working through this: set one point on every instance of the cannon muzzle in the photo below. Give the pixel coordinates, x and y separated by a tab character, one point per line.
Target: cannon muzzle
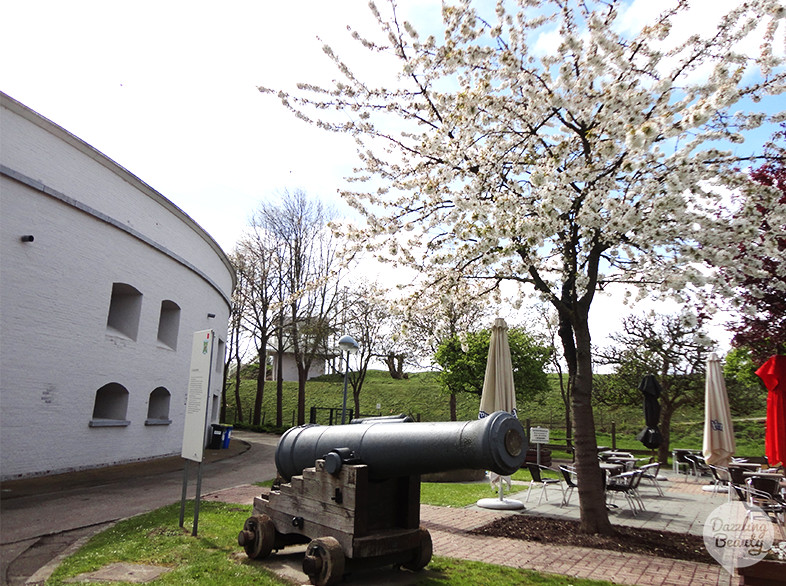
496	443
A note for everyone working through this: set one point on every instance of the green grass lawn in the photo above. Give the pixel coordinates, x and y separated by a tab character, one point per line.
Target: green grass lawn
214	558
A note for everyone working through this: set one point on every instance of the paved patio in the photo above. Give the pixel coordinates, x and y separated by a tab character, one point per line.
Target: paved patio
683	507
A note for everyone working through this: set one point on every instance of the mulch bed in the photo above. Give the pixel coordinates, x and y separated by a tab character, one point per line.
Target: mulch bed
626	539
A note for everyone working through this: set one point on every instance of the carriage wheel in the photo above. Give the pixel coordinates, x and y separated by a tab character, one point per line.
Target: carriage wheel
258	536
324	561
422	554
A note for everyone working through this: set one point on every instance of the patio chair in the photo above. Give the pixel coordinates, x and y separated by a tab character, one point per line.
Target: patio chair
650	472
698	464
626	484
537	478
641	462
721	477
737	484
568	474
679	461
765	494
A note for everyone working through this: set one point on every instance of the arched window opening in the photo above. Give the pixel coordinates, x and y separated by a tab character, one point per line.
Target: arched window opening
169	323
158	407
111	406
125	308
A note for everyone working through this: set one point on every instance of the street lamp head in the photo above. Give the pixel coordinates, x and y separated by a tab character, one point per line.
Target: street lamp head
348	344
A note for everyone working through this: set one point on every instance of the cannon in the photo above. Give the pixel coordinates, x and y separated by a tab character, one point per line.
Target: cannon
352	492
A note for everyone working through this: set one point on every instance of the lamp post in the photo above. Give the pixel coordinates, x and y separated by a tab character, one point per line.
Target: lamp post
348	345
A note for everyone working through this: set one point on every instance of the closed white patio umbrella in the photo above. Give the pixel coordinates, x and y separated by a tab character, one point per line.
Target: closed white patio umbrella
499	394
719	444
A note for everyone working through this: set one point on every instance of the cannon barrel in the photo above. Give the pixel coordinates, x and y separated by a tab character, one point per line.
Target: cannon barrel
496	443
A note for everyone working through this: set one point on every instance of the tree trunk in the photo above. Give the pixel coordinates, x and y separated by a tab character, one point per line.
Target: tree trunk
238	405
395	364
280	390
453	415
566	393
592	497
225	375
261	376
302	375
280	371
666	412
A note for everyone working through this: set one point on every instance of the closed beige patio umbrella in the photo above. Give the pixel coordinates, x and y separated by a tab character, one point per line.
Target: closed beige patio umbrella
499	394
719	444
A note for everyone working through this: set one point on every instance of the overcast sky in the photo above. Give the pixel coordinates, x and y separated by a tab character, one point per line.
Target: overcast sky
167	89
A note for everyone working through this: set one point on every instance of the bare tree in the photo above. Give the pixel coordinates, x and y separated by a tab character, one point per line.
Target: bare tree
365	315
310	279
429	320
674	348
258	250
235	337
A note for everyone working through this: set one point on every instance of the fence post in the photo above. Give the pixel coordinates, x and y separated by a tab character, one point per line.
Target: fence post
312	415
613	435
527	425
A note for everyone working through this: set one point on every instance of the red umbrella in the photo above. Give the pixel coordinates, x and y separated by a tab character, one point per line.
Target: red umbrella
773	373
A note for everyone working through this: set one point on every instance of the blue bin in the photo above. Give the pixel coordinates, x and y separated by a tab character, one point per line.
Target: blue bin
227	436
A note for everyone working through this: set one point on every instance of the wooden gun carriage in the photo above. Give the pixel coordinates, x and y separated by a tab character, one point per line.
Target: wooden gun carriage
352	492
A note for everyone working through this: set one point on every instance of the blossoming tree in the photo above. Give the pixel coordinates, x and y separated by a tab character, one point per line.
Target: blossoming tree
592	161
761	298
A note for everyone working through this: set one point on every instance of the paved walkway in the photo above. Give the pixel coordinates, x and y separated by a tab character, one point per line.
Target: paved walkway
682	509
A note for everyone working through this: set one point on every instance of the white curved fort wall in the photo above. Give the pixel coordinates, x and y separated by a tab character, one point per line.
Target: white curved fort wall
97	312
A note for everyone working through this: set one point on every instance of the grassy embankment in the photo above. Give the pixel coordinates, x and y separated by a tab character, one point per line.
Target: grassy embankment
421	396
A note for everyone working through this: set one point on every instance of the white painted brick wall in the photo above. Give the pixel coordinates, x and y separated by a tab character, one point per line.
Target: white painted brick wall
54	300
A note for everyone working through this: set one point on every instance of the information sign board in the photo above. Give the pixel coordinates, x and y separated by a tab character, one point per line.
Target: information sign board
539	435
197	401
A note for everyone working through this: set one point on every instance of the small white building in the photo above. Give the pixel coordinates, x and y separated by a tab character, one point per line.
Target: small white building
289	365
103	282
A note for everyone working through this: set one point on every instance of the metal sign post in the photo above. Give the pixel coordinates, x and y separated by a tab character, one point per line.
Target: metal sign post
196	419
537	436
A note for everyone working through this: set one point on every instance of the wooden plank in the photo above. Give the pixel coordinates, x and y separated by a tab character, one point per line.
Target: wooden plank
323	485
385	543
312	530
393	504
260	504
296	483
294	505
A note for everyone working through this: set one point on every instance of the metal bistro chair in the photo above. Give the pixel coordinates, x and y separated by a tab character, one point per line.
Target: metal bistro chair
568	474
650	472
765	494
698	465
679	460
722	478
627	484
737	483
537	478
